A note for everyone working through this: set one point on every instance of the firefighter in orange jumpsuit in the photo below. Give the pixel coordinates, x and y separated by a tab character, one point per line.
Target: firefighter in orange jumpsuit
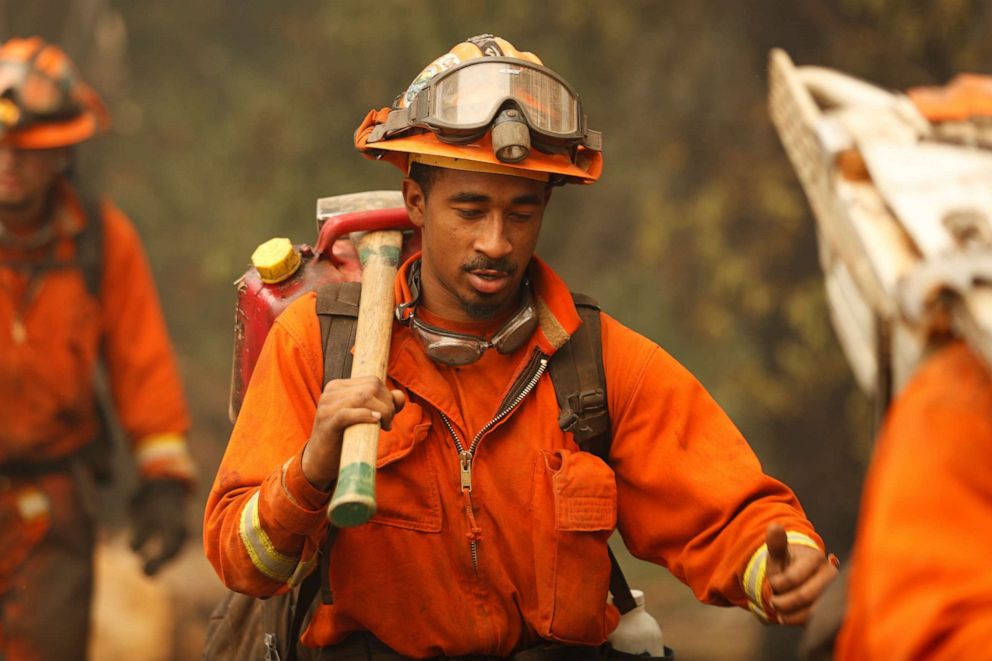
491	531
75	292
920	586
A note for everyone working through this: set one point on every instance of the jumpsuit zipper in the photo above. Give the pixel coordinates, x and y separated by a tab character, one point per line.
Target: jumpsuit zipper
536	367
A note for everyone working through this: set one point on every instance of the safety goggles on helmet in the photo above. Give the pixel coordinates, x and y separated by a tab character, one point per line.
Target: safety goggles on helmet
36	95
461	104
458	349
43	102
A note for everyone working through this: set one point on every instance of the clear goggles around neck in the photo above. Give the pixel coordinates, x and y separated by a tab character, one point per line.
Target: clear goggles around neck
459	105
458	349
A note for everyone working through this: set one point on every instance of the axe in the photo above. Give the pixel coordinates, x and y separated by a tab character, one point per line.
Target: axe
376	230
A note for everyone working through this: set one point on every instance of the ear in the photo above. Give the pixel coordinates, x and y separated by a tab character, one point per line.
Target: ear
415	202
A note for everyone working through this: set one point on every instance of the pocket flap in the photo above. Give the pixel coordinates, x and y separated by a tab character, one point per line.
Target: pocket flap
585	493
409	428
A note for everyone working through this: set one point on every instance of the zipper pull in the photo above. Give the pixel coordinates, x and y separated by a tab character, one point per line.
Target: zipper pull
466	461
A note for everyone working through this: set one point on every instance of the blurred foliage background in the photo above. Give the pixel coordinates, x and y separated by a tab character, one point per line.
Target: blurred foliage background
233	116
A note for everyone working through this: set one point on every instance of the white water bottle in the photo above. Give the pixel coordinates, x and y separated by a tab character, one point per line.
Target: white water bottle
638	632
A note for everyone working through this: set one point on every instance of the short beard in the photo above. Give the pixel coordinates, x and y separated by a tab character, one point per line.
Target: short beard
479	310
483	310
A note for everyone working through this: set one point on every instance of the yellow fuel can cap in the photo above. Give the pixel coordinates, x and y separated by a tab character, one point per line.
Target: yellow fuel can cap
275	260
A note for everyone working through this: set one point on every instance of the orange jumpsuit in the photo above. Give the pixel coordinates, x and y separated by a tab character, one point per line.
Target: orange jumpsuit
522	557
920	585
51	333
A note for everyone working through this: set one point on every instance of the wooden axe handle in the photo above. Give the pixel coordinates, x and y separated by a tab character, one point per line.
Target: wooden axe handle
353	502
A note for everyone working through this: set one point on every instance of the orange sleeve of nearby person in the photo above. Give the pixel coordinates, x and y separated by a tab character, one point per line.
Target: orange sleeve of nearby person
920	584
691	493
139	358
261	538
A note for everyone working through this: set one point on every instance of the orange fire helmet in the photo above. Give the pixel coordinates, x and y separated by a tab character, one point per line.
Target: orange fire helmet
43	102
486	106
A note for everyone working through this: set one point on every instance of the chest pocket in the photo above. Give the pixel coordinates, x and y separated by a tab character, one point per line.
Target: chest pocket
407	492
571	562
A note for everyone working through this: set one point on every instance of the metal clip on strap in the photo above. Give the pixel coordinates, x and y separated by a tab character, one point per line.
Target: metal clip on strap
586	415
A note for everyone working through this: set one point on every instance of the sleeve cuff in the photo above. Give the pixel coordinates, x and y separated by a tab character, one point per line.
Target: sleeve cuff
756	569
165	456
297	506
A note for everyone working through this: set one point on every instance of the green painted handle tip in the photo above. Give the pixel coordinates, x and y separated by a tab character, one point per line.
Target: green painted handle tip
353	502
347	514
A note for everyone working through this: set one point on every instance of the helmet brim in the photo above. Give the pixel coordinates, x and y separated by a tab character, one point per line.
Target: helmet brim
396	150
51	135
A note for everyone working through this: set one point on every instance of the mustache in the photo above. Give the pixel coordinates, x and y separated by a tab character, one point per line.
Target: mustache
483	263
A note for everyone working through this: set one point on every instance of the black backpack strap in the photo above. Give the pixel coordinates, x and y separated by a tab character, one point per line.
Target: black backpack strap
309	588
89	243
580	385
99	454
622	597
337	309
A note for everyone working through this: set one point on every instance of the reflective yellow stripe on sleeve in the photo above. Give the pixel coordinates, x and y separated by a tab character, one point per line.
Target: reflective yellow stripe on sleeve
263	553
754	579
164	453
757	567
303	570
801	539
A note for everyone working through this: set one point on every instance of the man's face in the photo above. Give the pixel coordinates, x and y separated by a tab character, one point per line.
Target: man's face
26	175
479	232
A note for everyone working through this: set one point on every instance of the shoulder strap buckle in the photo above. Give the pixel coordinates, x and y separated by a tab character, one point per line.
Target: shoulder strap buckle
585	415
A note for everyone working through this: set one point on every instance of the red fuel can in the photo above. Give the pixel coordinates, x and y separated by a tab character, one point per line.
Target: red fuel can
282	272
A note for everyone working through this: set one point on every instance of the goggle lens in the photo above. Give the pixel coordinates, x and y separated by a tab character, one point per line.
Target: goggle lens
450	351
34	92
470	96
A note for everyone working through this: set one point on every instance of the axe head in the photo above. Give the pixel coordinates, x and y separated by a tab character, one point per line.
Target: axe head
343	215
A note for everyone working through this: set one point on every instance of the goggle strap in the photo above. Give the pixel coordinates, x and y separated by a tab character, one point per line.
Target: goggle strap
593	140
397	121
413	282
